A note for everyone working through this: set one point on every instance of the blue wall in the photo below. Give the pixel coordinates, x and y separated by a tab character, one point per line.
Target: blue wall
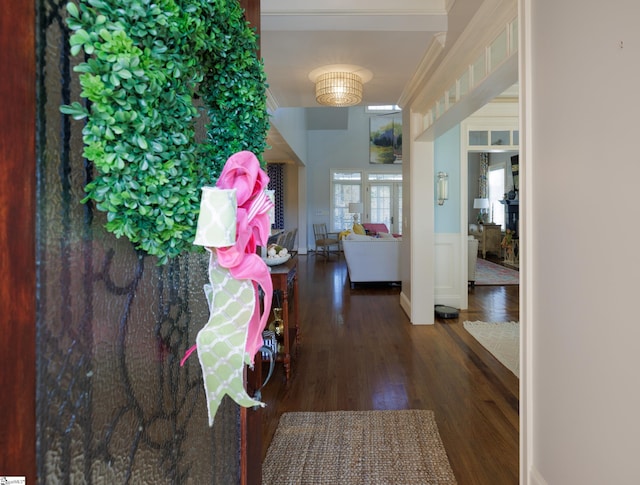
447	159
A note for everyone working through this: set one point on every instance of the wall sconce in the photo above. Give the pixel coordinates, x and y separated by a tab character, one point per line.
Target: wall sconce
356	209
442	189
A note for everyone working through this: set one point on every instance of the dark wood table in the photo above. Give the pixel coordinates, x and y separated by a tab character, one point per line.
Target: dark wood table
285	279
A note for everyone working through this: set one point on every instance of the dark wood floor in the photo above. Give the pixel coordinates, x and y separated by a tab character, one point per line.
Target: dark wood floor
359	352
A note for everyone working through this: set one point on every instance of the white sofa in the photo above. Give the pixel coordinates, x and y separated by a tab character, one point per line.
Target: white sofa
372	259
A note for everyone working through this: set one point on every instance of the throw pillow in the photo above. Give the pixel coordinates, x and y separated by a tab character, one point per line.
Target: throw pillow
358	229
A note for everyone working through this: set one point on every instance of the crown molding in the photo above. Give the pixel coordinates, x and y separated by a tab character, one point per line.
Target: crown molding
490	20
419	79
364	21
356	7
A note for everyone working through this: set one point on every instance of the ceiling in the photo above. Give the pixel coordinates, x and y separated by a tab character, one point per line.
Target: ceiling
389	39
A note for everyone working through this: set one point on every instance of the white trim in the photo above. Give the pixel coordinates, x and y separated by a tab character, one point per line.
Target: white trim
449	286
492	19
535	478
405	303
527	425
421	228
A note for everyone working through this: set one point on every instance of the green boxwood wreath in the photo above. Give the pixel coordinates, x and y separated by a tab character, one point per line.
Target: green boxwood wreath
145	63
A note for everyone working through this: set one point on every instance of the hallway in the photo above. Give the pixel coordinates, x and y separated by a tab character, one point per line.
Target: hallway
359	352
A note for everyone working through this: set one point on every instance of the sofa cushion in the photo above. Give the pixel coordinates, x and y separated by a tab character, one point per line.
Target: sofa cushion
359	229
375	227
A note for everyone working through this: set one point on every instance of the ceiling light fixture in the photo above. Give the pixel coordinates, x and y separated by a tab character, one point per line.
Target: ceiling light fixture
339	89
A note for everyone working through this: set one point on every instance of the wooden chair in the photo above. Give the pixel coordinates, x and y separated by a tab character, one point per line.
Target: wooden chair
287	239
290	239
325	241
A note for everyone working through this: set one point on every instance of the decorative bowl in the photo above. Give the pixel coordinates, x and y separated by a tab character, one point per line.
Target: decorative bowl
277	260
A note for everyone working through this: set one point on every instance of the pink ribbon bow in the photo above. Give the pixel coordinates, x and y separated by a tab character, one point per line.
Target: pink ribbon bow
242	171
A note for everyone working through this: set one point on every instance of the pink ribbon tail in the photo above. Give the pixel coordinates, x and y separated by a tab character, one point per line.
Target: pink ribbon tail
187	354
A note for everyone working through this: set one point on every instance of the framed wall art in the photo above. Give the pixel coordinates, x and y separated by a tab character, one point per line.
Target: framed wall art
385	139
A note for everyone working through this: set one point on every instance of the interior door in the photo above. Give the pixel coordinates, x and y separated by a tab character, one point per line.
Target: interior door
385	204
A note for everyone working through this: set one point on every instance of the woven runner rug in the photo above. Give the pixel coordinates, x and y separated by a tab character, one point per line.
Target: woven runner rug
488	273
357	447
502	339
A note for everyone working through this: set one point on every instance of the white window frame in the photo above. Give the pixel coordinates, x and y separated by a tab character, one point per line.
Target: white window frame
365	182
345	207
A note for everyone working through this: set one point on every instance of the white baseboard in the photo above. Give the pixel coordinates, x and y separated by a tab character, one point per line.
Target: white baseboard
405	304
449	300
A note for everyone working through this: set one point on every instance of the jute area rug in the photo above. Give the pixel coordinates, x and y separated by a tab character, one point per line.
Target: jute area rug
502	339
357	447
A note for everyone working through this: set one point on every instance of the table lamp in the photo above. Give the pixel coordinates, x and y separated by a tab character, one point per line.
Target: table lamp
356	209
482	204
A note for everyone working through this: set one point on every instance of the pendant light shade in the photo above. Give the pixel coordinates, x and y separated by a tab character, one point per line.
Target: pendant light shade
338	89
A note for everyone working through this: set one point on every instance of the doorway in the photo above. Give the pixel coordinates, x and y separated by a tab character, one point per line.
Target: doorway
385	203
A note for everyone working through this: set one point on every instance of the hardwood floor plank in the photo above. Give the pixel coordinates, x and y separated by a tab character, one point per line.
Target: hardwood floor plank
360	352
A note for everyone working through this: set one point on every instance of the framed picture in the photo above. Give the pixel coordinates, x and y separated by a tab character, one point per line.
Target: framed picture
385	139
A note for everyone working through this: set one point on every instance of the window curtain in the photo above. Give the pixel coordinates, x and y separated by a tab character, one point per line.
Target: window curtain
275	172
483	190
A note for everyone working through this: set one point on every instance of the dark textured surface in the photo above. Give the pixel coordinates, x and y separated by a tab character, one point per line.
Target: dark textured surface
113	403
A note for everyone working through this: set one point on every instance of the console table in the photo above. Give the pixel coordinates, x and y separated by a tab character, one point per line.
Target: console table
490	239
285	279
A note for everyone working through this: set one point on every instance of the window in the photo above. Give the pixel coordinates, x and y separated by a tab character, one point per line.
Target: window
382	202
382	107
346	187
385	200
496	194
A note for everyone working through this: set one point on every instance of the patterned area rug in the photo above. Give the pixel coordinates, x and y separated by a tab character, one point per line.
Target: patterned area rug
357	447
488	273
502	339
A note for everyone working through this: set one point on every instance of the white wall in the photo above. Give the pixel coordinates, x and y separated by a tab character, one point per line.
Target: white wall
581	66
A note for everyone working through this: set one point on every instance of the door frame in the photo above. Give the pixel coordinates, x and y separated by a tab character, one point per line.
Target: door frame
396	200
18	237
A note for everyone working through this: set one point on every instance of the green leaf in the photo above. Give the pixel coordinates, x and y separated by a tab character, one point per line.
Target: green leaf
72	10
75	109
142	143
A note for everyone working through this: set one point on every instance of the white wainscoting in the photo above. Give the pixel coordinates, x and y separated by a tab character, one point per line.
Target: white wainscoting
449	288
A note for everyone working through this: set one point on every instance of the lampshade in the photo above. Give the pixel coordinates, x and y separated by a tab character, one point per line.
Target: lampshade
355	207
480	203
338	89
